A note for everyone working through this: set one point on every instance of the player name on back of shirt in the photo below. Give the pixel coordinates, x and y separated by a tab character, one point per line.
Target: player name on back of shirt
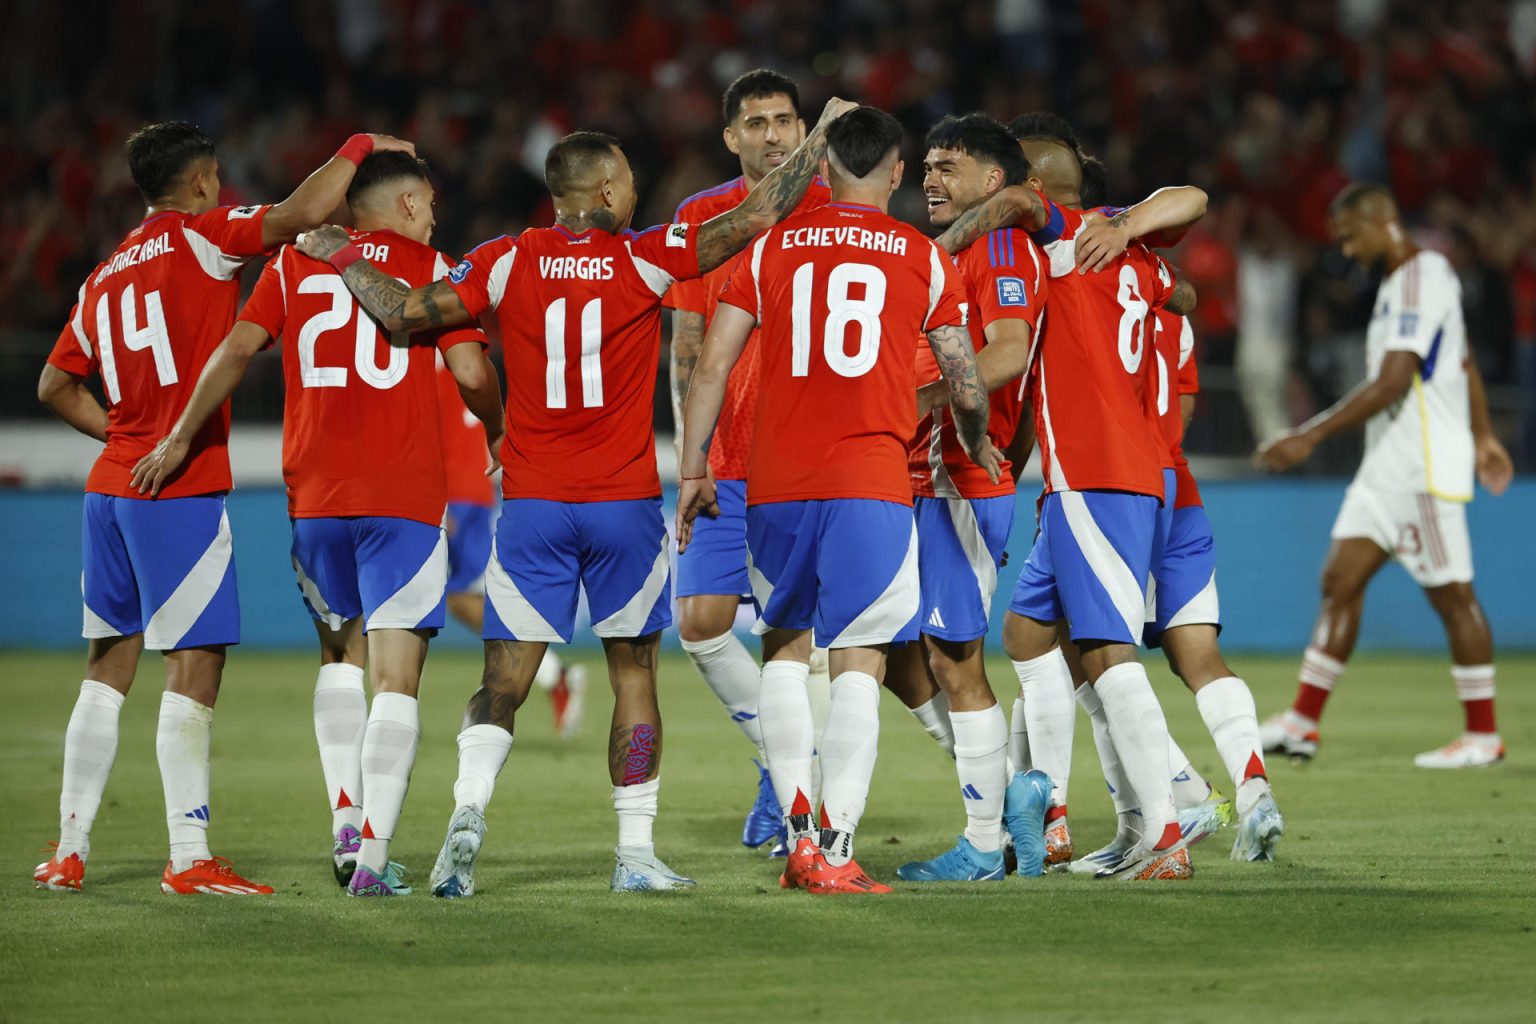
859	238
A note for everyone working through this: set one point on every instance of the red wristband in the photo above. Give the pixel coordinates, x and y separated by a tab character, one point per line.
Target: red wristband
344	257
355	148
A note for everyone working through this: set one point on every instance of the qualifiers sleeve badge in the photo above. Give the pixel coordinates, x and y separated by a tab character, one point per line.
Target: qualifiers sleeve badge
677	236
460	272
1010	292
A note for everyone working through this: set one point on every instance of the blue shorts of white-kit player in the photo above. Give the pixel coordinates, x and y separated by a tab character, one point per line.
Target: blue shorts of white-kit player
162	567
1089	564
544	552
469	546
1182	591
390	570
960	542
716	559
843	567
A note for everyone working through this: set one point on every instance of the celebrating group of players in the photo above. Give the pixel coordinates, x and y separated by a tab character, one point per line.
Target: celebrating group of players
855	402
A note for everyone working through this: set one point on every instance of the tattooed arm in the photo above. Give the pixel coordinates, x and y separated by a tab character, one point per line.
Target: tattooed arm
687	341
727	336
1009	206
1182	301
771	201
952	348
1161	217
395	305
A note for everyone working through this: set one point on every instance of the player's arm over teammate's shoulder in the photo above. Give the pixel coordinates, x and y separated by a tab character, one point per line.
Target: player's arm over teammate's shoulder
395	305
320	194
1161	219
772	200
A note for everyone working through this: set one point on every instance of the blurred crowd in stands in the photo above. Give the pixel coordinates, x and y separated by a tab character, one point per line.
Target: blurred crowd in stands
1270	105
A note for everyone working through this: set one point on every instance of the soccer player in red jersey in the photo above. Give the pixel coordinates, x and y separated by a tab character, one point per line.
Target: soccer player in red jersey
159	574
1102	461
579	306
471	513
838	293
366	493
762	127
964	517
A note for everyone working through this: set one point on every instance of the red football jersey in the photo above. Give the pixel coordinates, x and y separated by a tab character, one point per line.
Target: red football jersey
464	453
581	331
1094	379
146	320
1174	341
733	435
1004	278
360	417
838	294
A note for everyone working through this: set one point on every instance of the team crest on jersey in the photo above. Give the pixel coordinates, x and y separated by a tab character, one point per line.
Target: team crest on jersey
460	272
1407	324
1010	292
677	236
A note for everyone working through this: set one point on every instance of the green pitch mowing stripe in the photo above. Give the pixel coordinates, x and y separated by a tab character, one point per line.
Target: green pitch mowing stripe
1401	895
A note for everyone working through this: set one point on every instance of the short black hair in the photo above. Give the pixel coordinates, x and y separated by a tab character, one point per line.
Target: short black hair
382	167
571	159
985	139
1044	125
1357	192
757	84
1094	191
862	138
159	153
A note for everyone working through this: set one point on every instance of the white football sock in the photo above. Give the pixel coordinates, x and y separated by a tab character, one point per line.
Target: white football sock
981	762
849	748
789	735
1045	687
1018	738
732	675
90	745
1120	790
934	718
636	808
818	687
1227	706
1189	786
389	754
181	746
341	715
483	749
1140	735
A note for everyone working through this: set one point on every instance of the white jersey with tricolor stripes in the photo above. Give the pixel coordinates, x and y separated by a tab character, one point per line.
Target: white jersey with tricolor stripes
1423	442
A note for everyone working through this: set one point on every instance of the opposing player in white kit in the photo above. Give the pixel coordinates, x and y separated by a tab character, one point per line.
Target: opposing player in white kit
1427	428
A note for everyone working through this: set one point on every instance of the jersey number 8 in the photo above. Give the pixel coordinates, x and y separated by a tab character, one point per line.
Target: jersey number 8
842	310
1133	317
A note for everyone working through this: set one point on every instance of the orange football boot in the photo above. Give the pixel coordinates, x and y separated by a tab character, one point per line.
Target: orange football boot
60	874
212	877
803	862
848	880
1058	839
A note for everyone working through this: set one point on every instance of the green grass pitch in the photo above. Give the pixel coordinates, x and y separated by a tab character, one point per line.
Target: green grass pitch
1400	895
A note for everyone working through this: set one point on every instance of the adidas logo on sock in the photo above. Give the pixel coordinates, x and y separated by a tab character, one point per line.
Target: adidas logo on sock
201	813
970	792
935	619
742	716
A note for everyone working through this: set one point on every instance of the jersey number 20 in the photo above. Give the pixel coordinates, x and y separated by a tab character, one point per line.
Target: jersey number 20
365	349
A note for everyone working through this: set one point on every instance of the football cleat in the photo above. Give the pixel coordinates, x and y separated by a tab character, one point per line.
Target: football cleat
765	821
1058	844
453	875
366	883
212	877
1205	818
1469	750
348	841
800	864
60	874
1289	734
961	863
638	871
1259	831
1142	863
848	880
1105	856
1024	805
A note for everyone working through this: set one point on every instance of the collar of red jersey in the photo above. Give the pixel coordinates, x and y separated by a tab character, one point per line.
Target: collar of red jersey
840	205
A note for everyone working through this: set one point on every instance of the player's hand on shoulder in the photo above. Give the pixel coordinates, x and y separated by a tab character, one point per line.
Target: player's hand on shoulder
388	143
836	107
152	471
323	242
1284	451
1101	241
695	496
1495	469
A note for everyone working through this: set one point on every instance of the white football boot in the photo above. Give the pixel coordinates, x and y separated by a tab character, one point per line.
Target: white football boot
1289	734
1469	750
